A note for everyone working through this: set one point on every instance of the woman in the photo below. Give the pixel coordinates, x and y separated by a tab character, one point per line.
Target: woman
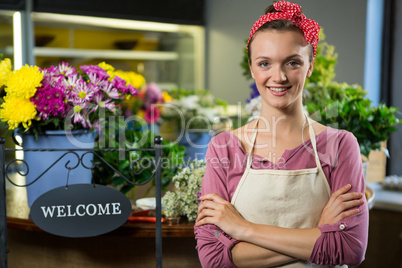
282	191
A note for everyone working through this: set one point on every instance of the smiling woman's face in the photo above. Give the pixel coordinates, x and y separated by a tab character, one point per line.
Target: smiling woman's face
279	64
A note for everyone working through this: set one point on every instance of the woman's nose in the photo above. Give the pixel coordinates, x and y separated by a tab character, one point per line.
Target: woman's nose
278	75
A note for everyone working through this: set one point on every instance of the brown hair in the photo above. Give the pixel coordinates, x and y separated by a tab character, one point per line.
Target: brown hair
281	26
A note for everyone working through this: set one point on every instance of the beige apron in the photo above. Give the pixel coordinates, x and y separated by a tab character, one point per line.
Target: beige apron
284	198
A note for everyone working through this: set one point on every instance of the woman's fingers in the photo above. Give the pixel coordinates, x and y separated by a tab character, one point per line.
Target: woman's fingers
205	213
214	197
346	206
339	192
341	205
208	205
347	201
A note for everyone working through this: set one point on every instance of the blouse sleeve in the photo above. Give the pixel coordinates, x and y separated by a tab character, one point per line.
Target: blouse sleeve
344	242
213	245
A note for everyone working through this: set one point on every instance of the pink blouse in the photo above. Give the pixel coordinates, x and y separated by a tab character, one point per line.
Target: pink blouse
340	243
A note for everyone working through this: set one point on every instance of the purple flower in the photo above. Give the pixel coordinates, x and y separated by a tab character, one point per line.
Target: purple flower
93	69
120	84
254	92
66	70
153	95
49	74
132	90
111	92
95	80
103	103
50	101
83	91
66	93
80	113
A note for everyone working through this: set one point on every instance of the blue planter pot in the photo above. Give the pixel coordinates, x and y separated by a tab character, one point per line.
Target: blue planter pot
56	176
196	144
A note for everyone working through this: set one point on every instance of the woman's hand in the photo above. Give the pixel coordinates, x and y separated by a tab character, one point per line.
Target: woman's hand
340	204
217	211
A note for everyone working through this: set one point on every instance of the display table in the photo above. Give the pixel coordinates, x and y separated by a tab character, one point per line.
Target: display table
385	229
386	199
131	245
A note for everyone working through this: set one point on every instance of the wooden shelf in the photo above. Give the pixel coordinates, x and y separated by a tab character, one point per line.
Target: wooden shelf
18	218
100	53
184	229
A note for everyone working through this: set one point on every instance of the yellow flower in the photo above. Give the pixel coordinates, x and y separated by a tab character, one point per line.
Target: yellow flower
132	78
82	94
166	96
138	80
141	113
22	83
108	68
5	71
16	110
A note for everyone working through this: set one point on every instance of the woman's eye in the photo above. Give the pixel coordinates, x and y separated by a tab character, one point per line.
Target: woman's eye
263	64
294	63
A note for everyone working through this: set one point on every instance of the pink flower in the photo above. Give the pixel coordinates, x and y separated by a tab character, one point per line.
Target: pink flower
120	84
103	103
93	69
66	70
50	101
153	95
83	91
80	115
152	114
111	92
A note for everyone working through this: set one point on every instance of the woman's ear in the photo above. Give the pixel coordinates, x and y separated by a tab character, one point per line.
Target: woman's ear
310	69
251	70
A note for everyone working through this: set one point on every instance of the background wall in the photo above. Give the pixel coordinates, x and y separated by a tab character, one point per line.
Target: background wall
395	143
228	24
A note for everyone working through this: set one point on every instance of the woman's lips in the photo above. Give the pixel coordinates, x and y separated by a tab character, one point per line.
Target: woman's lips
278	91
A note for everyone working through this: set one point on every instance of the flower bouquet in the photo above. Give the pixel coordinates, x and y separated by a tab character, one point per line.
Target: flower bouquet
183	201
61	97
59	108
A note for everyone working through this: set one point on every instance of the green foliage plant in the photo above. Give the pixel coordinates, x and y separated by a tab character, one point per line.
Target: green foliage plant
137	166
345	106
354	112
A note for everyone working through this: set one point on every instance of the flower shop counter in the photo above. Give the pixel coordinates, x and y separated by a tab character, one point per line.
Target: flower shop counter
132	244
18	218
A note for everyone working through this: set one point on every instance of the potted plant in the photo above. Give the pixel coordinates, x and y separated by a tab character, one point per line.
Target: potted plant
137	166
352	111
345	106
62	103
196	114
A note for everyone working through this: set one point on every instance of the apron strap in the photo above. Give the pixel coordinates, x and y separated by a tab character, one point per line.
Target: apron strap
313	143
253	138
317	159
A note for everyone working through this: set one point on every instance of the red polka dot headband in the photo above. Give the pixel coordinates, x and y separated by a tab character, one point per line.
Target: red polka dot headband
292	12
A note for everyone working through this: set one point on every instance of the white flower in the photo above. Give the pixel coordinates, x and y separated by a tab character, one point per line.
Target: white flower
190	102
183	201
211	114
254	106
